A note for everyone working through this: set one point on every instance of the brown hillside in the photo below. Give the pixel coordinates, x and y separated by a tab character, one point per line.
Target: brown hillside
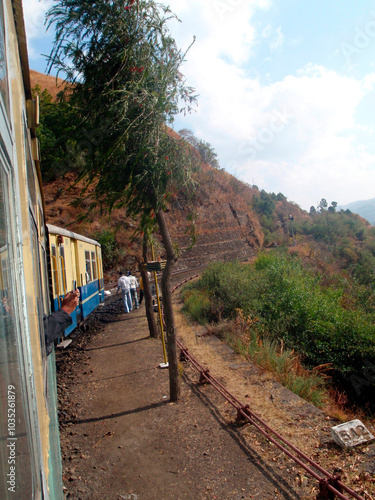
226	226
53	84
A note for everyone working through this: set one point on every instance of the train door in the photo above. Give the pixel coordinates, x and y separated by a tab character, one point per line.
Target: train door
43	256
73	270
94	266
62	266
100	272
38	295
88	272
55	277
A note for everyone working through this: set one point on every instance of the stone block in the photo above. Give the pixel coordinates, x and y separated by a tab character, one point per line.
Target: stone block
351	434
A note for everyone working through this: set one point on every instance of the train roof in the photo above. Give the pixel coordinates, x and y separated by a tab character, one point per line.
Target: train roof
64	232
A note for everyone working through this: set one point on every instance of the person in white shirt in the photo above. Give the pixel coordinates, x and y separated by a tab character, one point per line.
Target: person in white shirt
133	288
124	285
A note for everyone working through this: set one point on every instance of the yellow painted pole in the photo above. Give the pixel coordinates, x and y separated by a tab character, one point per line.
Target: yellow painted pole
159	309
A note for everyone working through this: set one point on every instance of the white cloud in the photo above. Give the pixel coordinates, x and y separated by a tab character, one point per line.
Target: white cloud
311	151
278	40
34	15
298	135
223	28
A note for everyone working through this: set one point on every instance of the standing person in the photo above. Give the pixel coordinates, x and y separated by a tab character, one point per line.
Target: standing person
133	288
124	285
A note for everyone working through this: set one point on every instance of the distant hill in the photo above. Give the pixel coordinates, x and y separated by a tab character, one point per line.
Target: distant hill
364	208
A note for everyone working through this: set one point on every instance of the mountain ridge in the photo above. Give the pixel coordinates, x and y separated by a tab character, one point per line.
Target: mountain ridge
364	208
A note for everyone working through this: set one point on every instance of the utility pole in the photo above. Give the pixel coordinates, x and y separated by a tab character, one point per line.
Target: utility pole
291	218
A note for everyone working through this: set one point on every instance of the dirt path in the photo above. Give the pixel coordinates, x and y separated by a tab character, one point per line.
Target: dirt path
122	439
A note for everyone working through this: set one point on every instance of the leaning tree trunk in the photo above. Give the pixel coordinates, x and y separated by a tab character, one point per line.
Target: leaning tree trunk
148	295
174	380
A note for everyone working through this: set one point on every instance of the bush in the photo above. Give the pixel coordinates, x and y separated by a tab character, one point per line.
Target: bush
110	250
197	303
292	305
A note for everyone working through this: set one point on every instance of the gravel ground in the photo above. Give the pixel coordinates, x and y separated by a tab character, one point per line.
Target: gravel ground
121	438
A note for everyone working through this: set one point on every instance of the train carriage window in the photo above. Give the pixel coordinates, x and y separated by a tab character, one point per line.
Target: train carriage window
13	384
55	273
62	270
88	267
94	268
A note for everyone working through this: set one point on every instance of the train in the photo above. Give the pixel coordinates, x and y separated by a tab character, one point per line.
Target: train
75	262
38	265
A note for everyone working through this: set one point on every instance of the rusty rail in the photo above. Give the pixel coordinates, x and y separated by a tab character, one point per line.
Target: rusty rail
330	486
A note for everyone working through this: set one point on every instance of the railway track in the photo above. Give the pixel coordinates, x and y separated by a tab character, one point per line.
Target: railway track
330	486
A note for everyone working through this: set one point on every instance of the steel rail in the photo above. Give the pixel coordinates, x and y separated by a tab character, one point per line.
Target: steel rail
330	483
251	417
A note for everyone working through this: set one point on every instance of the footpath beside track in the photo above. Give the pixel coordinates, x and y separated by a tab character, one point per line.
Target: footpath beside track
122	440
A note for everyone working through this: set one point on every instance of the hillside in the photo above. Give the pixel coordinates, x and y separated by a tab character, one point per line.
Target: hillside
227	227
364	208
52	84
232	219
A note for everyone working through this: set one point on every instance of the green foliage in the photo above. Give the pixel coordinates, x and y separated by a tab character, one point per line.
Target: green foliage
364	269
349	239
197	303
111	251
264	204
273	212
292	305
56	134
241	335
284	364
205	150
124	68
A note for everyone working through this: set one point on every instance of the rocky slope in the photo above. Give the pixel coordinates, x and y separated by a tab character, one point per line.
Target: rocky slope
226	227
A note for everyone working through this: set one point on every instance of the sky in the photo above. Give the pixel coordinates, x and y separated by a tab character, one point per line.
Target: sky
286	90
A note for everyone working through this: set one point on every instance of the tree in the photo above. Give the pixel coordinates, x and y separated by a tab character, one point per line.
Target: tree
147	291
125	67
264	204
332	207
322	205
205	150
57	137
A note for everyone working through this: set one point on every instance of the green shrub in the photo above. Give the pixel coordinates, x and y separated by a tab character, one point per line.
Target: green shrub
111	251
197	303
293	306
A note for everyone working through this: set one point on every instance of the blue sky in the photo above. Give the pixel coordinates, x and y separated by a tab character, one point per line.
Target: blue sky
286	90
